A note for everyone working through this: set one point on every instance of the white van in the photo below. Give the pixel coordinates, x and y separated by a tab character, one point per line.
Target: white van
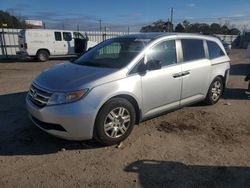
44	43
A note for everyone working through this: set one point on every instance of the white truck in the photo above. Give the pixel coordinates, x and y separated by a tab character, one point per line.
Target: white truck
45	43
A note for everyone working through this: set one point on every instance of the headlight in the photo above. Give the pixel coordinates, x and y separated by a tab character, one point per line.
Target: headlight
62	98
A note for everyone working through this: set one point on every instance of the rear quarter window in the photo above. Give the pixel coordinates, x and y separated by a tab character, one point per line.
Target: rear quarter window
193	49
214	50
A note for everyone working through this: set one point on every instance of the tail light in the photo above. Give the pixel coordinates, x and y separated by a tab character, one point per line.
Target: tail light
25	46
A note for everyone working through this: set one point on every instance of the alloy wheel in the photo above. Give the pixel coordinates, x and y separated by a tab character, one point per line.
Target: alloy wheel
216	90
117	122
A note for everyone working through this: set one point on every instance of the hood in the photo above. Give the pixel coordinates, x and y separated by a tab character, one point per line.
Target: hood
71	77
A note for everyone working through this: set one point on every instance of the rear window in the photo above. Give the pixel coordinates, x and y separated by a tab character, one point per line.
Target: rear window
67	36
214	50
193	49
58	36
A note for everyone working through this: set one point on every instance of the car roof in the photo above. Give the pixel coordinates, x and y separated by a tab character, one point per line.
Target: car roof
155	35
151	35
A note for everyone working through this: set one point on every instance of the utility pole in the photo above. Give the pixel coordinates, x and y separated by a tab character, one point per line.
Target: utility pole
100	25
105	29
78	28
168	29
171	17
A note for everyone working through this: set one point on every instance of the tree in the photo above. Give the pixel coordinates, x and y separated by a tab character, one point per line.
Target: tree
148	28
204	28
169	26
158	26
10	20
234	31
193	28
179	28
185	24
215	28
224	29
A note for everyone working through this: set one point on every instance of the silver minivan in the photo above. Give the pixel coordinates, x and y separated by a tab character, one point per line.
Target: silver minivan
126	80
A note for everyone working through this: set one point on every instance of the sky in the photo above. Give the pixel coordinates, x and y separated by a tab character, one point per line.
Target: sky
118	15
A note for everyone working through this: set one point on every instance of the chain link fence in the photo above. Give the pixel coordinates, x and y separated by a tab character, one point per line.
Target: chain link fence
9	39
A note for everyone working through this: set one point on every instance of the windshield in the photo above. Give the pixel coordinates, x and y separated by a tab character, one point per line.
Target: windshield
113	53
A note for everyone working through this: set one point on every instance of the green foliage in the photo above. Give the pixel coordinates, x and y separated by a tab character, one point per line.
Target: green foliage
179	28
206	29
186	26
10	20
158	26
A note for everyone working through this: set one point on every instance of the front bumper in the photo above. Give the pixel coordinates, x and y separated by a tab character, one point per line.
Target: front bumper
72	121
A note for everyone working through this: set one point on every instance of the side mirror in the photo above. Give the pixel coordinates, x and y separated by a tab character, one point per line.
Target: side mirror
142	68
228	51
153	64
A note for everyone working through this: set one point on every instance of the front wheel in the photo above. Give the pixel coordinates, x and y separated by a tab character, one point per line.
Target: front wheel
42	55
115	121
215	91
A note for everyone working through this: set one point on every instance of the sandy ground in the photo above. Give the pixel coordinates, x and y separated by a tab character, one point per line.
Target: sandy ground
197	146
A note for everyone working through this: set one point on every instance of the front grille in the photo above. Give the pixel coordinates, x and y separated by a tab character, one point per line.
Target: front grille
38	96
48	126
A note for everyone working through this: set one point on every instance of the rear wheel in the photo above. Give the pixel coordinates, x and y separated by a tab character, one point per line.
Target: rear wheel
42	55
115	121
215	91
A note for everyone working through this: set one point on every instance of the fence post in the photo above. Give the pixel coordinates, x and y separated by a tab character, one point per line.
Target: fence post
3	42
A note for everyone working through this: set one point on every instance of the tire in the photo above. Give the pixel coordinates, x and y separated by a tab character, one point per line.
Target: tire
114	122
42	55
215	91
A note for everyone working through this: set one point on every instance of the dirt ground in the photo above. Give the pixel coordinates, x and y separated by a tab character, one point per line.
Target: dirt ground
197	146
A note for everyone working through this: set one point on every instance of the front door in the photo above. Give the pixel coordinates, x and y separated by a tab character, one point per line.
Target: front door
59	44
161	89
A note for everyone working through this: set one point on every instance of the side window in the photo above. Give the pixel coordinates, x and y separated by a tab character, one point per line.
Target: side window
135	69
214	50
58	36
193	49
78	35
67	36
165	52
111	51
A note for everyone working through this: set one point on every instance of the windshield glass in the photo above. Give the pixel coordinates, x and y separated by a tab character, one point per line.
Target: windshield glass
113	53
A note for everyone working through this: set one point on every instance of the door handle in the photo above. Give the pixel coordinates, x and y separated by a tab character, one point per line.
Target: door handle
177	75
185	73
180	74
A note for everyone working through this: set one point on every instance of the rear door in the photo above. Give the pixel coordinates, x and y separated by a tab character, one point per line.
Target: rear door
21	41
195	70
